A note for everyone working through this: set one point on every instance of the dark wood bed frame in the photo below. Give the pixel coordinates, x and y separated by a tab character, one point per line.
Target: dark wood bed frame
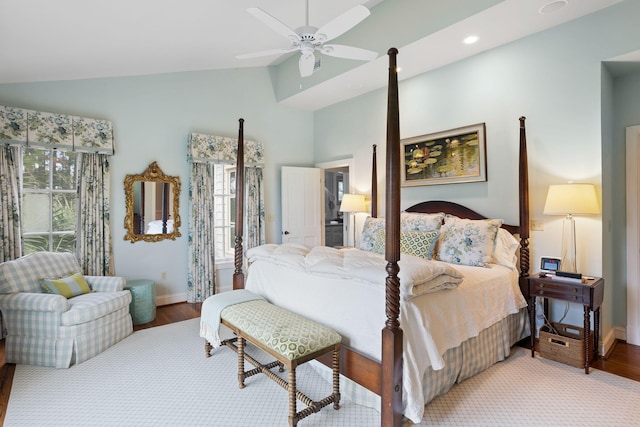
385	378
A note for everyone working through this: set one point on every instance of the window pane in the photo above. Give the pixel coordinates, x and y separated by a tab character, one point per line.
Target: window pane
35	165
64	242
35	243
35	213
64	211
218	179
232	182
64	172
219	242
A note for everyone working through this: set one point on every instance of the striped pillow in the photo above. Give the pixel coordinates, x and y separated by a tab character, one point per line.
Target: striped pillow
68	287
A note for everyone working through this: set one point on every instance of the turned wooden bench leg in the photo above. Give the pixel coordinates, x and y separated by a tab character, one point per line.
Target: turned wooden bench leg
336	378
241	362
293	419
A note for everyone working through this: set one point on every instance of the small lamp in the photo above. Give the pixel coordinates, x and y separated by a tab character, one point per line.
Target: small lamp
570	199
353	203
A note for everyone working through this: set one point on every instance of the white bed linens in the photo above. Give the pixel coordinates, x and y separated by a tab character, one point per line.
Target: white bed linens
432	322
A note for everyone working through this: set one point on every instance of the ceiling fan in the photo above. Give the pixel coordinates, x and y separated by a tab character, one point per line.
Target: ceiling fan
308	39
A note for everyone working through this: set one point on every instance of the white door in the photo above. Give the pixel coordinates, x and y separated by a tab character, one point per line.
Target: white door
302	206
633	235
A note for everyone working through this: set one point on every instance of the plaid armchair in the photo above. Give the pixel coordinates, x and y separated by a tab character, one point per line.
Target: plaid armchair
48	329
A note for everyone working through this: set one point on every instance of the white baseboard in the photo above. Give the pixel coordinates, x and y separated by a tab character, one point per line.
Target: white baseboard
171	299
615	333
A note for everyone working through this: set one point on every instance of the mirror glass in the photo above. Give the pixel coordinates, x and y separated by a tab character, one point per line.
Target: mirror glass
152	206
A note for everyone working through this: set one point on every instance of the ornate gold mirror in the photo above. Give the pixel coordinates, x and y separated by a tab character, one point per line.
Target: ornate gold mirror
152	206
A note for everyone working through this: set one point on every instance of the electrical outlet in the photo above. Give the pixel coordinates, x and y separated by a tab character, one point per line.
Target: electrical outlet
163	275
537	224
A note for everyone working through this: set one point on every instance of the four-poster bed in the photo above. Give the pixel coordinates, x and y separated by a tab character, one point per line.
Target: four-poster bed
383	373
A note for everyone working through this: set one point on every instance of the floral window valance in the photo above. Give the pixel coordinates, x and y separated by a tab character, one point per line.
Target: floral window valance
219	149
37	129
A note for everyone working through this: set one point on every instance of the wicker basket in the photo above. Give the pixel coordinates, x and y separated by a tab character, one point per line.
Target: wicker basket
567	346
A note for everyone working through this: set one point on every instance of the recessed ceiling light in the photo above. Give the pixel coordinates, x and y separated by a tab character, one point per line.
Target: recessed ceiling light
470	39
553	7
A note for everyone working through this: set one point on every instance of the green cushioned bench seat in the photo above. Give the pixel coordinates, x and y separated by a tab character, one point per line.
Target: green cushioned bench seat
288	337
286	333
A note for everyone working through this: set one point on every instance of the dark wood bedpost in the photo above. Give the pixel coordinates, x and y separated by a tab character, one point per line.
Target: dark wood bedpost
524	206
392	335
238	275
374	184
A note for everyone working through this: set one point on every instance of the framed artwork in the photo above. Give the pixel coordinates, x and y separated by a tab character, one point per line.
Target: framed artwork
448	157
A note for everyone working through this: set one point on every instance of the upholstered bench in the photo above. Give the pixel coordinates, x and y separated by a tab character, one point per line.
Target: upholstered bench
291	339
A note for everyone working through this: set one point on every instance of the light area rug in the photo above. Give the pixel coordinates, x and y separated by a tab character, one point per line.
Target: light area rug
160	377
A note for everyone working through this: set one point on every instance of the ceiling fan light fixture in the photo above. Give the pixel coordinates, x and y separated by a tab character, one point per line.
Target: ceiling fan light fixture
307	39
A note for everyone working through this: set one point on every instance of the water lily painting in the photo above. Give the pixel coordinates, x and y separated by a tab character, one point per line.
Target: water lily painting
447	157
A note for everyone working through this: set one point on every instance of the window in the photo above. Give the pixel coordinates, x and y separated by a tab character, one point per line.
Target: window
225	211
49	182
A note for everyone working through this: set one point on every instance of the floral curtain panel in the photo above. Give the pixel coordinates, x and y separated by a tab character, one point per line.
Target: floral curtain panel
37	129
203	152
10	234
201	252
93	244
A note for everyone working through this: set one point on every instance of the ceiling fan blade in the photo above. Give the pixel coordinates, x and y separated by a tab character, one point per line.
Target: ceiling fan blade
342	23
349	52
306	64
266	53
274	24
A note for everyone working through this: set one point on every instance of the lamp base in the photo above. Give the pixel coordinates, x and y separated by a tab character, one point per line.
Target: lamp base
568	262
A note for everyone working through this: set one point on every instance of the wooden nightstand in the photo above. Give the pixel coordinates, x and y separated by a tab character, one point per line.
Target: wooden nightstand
589	293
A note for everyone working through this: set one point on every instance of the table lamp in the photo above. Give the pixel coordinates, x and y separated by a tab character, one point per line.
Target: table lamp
353	203
569	200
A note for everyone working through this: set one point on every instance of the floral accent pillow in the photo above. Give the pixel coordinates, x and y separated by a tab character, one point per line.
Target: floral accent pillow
416	243
411	221
370	231
468	242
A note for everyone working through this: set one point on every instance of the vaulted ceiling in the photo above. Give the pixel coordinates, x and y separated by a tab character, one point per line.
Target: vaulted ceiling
44	40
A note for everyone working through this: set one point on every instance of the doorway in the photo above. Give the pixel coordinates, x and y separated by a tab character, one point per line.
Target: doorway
336	184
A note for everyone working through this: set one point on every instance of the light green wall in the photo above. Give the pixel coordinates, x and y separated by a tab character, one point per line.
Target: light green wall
553	78
153	116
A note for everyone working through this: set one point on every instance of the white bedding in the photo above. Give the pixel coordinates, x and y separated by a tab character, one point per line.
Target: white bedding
432	322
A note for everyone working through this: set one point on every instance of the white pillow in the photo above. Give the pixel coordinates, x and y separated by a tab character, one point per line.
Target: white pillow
504	251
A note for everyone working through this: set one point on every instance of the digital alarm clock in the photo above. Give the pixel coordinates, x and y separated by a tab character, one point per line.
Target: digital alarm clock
549	263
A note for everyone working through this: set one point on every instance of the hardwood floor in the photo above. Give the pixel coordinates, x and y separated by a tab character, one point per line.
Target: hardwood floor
623	360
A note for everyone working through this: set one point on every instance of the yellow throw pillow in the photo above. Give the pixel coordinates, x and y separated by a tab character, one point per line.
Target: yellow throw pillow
68	287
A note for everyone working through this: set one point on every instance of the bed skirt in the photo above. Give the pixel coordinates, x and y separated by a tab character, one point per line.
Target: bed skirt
473	356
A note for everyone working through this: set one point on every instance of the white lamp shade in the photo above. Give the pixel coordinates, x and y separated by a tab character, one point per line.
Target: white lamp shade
563	199
353	203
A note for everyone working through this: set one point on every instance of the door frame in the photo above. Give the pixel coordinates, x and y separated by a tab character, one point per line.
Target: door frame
350	164
633	234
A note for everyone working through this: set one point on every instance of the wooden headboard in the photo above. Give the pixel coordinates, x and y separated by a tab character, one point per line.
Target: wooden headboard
437	206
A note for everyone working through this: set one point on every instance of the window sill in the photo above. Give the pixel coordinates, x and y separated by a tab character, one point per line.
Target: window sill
224	264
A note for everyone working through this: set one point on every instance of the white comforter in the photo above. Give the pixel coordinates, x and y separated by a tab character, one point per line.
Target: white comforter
433	322
417	275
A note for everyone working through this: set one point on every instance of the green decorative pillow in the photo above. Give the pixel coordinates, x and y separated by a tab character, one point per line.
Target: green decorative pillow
468	242
68	287
416	243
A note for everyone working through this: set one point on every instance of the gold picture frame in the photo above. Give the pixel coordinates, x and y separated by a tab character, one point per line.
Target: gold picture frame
448	157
